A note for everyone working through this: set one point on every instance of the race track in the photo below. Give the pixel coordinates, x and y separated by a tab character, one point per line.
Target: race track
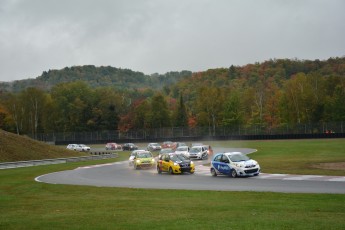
120	174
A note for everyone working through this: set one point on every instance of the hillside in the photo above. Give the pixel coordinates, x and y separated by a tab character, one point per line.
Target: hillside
126	79
103	76
18	148
278	71
268	96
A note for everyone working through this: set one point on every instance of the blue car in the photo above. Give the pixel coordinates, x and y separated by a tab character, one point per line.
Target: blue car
234	164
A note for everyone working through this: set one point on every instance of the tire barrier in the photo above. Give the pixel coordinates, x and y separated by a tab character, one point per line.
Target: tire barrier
99	153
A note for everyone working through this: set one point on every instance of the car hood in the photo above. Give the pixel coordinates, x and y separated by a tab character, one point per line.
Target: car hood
145	159
177	152
185	162
248	163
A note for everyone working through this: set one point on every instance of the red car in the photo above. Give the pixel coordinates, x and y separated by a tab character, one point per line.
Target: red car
169	144
112	146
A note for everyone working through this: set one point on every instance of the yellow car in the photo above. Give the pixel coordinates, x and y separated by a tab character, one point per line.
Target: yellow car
174	163
143	159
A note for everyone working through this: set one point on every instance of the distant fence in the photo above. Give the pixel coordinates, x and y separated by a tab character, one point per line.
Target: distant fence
286	131
19	164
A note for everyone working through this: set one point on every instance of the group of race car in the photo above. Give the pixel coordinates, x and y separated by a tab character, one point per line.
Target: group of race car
176	158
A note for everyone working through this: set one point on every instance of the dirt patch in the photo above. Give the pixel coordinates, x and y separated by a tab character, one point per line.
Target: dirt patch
330	166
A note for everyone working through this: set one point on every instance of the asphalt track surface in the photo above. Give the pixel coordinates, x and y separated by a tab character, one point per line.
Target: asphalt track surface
120	174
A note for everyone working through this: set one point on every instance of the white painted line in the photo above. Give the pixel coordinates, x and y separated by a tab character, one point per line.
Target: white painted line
101	165
270	176
340	179
37	179
304	177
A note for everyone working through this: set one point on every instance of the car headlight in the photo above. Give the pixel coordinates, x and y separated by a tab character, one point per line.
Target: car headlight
175	164
138	161
192	163
153	160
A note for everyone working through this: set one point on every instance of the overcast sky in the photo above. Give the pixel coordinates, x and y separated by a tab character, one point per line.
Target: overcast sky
158	36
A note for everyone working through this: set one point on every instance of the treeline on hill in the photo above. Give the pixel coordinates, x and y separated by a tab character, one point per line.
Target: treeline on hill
269	94
96	77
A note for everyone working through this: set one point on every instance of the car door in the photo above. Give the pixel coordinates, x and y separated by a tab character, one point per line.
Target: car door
215	162
165	162
204	152
223	166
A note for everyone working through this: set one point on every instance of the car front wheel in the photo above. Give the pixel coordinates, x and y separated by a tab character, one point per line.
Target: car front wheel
213	172
233	173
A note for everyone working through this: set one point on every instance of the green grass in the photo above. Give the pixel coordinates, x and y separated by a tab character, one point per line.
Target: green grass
20	148
26	204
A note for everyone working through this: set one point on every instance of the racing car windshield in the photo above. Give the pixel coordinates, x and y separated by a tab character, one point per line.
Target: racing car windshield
183	148
144	155
177	158
182	157
195	150
238	158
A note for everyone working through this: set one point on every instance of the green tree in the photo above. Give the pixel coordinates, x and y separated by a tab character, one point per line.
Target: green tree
49	115
17	112
6	121
336	107
34	101
73	106
209	107
180	115
108	104
296	94
272	114
304	98
160	112
233	111
142	115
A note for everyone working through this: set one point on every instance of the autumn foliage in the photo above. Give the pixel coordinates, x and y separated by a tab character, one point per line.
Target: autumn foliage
268	94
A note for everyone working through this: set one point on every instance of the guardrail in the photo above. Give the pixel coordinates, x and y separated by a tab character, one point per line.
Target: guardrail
19	164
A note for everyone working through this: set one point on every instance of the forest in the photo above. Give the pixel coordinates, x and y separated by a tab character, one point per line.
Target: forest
88	98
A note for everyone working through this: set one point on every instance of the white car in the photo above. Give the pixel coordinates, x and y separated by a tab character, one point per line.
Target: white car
234	164
184	150
82	148
154	147
72	146
198	152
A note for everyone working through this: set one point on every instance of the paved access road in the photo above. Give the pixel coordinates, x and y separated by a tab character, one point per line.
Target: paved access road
120	174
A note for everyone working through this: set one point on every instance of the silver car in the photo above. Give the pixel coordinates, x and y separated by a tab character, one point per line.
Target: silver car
154	147
82	148
198	152
72	146
184	150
